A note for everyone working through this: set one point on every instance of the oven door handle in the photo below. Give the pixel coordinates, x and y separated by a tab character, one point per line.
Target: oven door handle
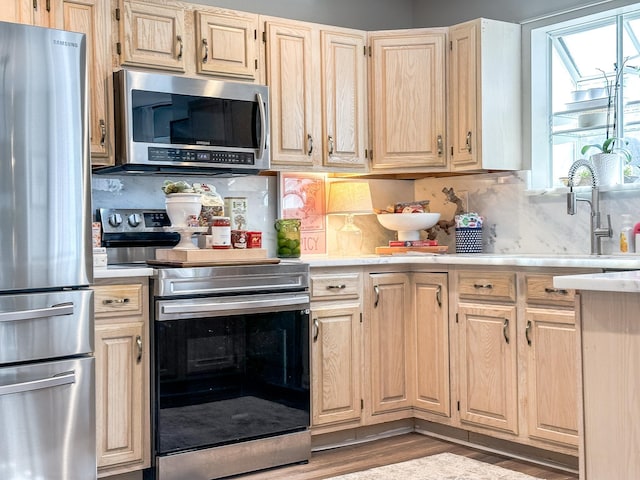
230	305
263	126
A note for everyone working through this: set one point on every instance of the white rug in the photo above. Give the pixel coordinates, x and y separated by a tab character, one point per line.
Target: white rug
444	466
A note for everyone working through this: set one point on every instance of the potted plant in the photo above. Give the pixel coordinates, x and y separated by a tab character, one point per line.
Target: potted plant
608	161
183	203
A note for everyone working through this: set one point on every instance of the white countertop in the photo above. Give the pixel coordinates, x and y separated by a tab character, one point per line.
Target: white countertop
117	271
614	262
602	282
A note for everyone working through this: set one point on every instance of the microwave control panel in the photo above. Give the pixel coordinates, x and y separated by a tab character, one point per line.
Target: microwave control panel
164	155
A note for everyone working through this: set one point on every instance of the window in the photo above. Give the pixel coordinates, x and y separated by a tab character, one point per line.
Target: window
575	65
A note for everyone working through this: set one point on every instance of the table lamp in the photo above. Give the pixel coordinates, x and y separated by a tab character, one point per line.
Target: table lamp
349	198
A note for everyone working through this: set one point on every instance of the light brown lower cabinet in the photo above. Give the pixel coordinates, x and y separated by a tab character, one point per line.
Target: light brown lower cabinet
491	350
388	348
122	375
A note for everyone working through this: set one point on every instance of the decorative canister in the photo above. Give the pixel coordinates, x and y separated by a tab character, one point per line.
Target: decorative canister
254	239
239	238
288	237
236	209
221	232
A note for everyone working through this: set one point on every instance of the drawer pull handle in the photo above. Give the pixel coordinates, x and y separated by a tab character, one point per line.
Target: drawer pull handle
505	330
478	286
342	286
310	144
559	291
139	345
439	296
376	290
527	332
316	330
116	301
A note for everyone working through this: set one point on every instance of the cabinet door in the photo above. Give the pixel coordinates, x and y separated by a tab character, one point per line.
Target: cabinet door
294	92
485	96
92	17
431	338
407	100
552	374
344	99
227	44
335	353
463	105
488	366
153	36
30	12
388	343
119	393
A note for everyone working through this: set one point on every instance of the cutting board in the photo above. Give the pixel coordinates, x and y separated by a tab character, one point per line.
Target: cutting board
401	250
199	257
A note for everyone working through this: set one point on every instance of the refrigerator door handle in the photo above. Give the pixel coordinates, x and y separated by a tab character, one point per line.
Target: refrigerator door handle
53	311
55	381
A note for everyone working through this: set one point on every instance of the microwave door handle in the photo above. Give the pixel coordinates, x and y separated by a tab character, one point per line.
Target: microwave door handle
263	126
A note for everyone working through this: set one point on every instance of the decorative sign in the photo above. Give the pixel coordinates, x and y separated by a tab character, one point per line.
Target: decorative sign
302	195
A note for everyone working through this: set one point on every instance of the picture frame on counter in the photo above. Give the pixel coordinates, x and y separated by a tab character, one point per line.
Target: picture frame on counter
303	196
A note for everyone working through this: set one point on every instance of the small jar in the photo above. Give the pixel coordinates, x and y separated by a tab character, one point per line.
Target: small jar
288	237
238	238
221	232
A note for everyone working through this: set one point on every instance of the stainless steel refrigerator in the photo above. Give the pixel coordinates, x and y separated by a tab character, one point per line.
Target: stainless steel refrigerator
47	399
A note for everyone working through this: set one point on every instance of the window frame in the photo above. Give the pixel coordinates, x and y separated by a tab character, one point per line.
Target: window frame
536	50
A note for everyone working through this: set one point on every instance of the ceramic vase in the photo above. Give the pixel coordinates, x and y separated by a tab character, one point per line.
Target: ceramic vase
183	208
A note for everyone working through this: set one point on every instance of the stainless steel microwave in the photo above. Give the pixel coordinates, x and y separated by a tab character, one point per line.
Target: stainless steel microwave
170	123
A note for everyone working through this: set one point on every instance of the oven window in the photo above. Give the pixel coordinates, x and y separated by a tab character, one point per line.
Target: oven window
233	378
172	119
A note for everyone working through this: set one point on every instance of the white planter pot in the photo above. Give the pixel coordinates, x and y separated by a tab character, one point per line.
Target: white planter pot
183	207
609	168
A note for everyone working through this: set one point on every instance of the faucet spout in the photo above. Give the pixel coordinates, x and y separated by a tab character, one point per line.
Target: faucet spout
598	232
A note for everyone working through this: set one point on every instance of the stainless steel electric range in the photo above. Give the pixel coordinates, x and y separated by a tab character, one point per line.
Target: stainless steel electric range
230	375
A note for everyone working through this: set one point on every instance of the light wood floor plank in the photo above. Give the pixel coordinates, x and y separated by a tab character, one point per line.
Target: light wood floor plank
353	458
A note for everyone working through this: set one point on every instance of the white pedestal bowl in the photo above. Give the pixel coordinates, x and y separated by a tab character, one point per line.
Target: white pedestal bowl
408	225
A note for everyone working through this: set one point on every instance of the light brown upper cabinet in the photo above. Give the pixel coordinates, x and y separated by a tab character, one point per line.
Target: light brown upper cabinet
227	43
484	96
407	100
31	12
318	108
152	36
92	17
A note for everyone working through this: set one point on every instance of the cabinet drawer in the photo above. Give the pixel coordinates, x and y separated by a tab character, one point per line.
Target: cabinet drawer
335	286
117	300
499	286
540	289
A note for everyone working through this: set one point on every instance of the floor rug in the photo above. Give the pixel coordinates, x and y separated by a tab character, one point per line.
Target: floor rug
444	466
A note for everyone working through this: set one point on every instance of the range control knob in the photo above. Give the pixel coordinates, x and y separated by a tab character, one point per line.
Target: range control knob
115	219
134	219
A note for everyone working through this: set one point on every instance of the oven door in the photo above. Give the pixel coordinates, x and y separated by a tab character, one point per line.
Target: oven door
230	369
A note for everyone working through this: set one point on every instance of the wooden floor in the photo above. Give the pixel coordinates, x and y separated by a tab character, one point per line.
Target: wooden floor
338	461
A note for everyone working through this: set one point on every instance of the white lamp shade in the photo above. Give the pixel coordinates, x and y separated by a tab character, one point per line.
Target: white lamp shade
349	198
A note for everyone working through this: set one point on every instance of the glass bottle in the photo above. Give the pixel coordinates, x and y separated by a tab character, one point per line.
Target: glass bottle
288	237
626	234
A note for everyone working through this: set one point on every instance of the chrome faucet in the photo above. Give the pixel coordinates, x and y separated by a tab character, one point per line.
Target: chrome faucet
597	230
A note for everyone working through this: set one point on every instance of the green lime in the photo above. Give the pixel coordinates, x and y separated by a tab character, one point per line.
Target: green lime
292	244
284	251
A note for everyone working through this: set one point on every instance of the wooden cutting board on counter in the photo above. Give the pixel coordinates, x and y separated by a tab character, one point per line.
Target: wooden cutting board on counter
401	250
204	257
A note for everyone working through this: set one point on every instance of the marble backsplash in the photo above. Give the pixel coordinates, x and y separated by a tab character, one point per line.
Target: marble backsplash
516	221
520	221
